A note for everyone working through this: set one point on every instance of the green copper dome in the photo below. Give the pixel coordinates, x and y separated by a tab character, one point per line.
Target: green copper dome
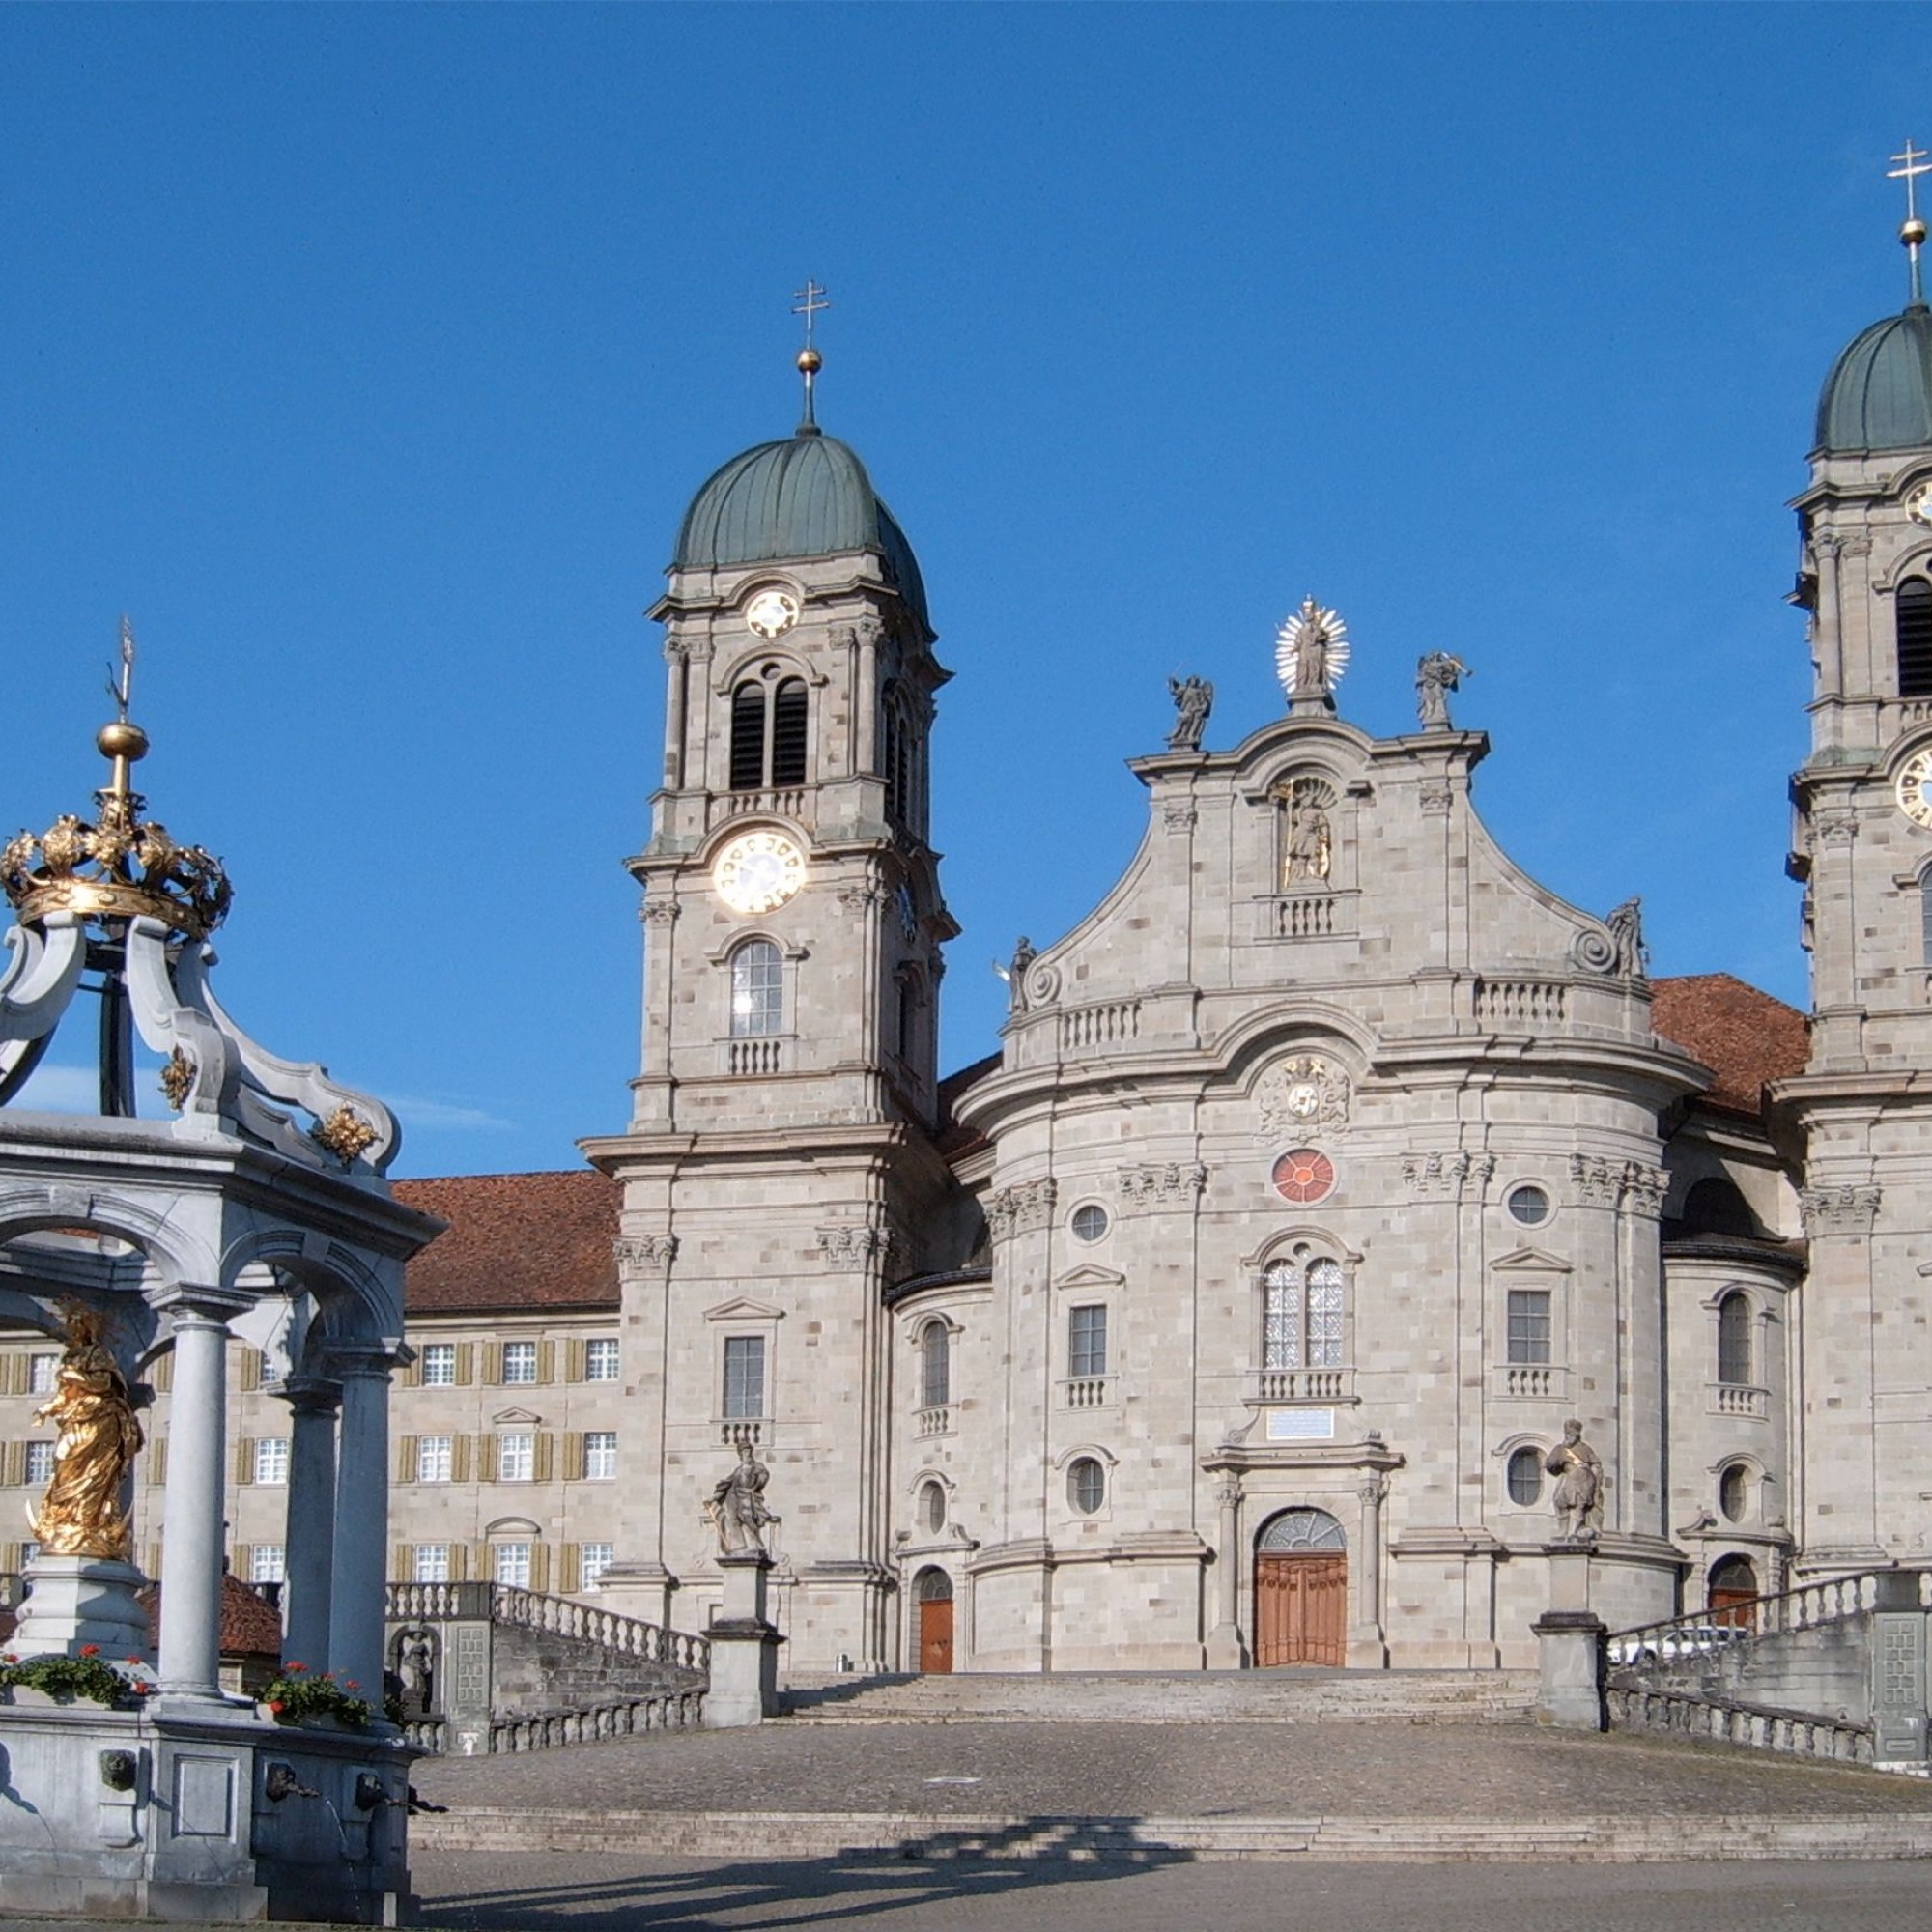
806	497
1879	393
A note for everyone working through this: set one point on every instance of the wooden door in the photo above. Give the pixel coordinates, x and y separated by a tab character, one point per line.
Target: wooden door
1732	1594
1301	1609
935	1637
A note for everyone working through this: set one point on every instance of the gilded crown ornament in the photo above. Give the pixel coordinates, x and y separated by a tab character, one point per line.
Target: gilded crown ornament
122	867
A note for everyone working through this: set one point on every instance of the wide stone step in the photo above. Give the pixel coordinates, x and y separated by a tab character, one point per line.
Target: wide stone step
1182	1697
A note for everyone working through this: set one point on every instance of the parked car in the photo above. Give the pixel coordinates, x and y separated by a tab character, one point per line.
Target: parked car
1674	1643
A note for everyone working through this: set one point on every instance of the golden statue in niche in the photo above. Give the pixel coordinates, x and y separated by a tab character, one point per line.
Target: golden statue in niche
99	1437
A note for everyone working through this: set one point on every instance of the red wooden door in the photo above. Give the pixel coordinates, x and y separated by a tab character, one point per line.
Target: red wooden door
935	1637
1301	1609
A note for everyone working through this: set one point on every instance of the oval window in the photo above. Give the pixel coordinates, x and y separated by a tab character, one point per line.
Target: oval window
932	1508
1085	1485
1528	1205
1525	1477
1734	1492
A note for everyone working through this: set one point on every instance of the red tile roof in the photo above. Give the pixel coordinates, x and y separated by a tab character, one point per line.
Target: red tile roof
515	1241
1745	1037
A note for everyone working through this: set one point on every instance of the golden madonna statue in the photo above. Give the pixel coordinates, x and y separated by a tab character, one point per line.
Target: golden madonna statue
99	1437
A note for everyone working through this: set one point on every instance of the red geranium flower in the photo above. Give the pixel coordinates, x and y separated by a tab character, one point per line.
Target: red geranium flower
350	1684
295	1666
275	1705
89	1650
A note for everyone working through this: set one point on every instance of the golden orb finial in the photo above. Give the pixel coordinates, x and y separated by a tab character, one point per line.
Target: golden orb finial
810	362
122	739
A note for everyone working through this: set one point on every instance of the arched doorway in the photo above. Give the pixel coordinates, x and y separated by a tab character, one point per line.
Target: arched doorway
932	1592
1301	1590
1732	1592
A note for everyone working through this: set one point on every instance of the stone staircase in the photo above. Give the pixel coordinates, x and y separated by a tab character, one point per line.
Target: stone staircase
1189	1697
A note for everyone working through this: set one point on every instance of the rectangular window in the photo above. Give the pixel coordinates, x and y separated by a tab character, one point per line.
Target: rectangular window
268	1373
597	1558
513	1565
516	1457
744	1377
1086	1342
429	1563
439	1365
757	990
600	1455
520	1361
28	1552
1529	1324
41	1374
600	1361
435	1454
39	1464
267	1563
271	1459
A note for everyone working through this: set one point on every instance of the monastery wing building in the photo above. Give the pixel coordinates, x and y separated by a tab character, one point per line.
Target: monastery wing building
1344	1221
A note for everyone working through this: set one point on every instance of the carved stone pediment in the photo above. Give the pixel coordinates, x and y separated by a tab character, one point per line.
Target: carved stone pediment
1091	1274
1531	1260
744	1309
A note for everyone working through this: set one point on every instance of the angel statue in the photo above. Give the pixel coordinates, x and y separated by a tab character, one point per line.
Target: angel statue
92	1408
1436	677
1193	700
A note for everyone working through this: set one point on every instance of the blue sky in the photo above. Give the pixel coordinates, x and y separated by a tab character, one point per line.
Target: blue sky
368	357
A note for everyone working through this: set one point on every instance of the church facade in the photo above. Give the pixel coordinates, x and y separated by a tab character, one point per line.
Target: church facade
1344	1223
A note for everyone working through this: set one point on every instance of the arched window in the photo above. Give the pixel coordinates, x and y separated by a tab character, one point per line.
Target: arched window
1912	617
757	990
770	731
1301	1311
933	1586
1085	1485
898	760
1524	1475
1734	1340
935	1366
1301	1529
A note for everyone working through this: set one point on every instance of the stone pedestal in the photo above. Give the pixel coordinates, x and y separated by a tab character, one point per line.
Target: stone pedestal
79	1600
1570	1649
744	1647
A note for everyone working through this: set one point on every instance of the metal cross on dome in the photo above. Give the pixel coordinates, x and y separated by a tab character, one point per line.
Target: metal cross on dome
1912	163
809	302
120	681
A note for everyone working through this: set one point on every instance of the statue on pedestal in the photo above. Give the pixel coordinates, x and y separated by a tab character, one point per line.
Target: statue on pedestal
1579	1485
737	1509
1193	700
92	1408
1436	675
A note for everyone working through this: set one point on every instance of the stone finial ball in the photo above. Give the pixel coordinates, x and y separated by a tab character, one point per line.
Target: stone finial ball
121	740
810	362
1912	233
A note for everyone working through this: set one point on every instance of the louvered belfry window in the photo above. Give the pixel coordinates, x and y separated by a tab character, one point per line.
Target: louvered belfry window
770	729
1913	618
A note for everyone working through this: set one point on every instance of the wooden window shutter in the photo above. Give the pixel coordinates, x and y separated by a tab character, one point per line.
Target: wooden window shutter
249	1369
546	1361
576	1359
573	1457
459	1459
545	1457
242	1561
459	1562
569	1569
245	1459
153	1559
403	1563
481	1562
163	1377
540	1566
493	1362
9	1555
486	1457
13	1463
13	1374
158	1462
406	1458
413	1374
466	1363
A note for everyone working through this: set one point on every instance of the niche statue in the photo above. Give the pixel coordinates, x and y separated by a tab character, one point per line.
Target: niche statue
92	1408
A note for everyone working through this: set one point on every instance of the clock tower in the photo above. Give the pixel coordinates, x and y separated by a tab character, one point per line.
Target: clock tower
779	1168
1858	1120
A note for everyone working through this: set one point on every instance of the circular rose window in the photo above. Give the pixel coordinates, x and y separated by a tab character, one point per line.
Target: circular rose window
1305	1175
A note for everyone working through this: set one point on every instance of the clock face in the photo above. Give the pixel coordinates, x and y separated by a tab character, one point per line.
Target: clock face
1303	1175
771	613
758	871
1918	504
1915	788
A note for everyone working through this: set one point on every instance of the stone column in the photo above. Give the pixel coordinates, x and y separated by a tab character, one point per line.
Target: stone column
313	1401
361	1519
744	1647
192	1550
1367	1650
1225	1648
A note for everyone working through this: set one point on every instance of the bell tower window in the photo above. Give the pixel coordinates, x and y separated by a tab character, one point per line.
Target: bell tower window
1913	615
757	990
770	731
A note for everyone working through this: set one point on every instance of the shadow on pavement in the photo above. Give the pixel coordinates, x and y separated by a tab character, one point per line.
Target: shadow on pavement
945	1867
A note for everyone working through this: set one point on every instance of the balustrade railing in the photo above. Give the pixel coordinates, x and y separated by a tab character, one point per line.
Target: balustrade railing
1736	1398
561	1616
785	803
936	1420
1303	1384
1830	1601
754	1056
1088	1391
1520	1002
1111	1023
671	1711
1687	1716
